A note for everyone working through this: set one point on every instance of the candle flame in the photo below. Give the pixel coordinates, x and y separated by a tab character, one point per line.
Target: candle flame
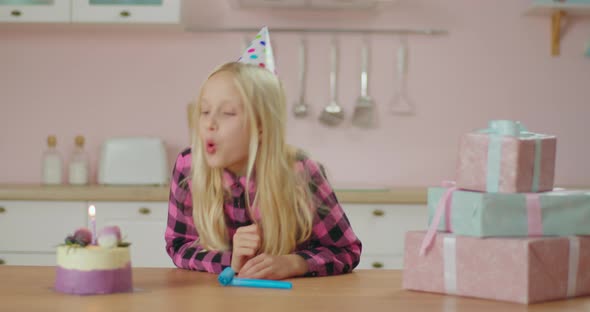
91	211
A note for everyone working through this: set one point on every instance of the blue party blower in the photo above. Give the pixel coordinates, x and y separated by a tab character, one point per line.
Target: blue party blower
227	278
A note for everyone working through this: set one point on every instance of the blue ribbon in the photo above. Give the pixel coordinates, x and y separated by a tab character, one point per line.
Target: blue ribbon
498	129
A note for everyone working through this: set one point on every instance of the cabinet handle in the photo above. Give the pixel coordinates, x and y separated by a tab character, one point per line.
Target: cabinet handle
16	13
125	13
144	211
2	262
2	209
378	212
377	265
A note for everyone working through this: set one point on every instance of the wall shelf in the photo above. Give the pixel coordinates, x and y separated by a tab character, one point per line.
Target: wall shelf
393	31
558	10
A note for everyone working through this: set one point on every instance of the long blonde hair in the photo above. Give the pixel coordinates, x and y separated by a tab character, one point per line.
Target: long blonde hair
282	194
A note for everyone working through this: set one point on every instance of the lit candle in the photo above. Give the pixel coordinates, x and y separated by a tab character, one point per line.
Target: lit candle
92	216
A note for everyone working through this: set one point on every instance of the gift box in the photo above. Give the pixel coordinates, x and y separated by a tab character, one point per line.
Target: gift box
523	270
560	212
506	158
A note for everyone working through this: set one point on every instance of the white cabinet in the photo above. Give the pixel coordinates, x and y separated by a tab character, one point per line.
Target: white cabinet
382	228
143	225
309	4
30	230
126	11
91	11
20	11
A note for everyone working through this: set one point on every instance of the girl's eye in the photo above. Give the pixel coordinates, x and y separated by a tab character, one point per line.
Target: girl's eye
229	113
204	112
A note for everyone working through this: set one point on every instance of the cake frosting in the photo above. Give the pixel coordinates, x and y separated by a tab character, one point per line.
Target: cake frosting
84	269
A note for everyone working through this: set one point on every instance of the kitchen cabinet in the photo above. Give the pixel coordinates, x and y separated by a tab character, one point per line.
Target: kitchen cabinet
309	4
91	11
126	11
30	230
143	225
21	11
382	228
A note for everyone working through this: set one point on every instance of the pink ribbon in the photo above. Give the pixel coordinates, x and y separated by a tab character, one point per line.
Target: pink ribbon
444	205
535	219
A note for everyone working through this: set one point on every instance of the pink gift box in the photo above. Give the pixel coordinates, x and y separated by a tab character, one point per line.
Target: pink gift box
506	163
523	270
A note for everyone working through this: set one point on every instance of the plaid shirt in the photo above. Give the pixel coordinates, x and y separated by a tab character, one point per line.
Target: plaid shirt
333	248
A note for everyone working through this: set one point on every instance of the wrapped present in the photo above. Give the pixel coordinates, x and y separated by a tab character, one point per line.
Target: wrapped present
506	158
523	270
559	212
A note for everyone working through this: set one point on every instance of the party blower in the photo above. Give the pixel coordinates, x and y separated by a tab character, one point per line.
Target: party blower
227	278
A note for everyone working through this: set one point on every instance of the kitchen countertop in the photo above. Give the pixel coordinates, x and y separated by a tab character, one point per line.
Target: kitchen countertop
158	289
402	195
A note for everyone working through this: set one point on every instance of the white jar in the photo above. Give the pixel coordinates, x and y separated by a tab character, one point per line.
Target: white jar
52	163
78	169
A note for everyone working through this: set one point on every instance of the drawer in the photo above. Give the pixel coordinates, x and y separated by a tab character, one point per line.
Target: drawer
385	262
137	211
31	226
143	224
168	11
382	228
45	259
53	11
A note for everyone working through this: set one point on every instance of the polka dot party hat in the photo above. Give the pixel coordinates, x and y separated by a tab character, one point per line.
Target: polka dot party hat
259	52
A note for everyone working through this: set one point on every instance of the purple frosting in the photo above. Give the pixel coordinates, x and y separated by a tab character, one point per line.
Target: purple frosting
94	281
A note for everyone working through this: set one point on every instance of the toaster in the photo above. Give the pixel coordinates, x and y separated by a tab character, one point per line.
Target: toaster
133	161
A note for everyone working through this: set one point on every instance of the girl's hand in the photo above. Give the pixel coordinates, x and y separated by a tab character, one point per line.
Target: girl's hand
246	242
266	266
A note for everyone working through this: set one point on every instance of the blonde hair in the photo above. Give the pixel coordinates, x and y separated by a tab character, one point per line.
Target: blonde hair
282	194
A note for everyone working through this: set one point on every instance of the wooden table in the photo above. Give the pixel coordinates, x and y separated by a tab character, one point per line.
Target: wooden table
30	289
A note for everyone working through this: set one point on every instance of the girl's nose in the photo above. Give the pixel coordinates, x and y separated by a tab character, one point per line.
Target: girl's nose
211	123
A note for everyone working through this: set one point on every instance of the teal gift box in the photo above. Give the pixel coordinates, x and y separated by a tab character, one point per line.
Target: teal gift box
558	212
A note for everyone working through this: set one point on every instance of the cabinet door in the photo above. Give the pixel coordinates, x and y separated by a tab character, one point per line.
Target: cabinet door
143	225
348	4
34	11
381	228
126	11
381	262
245	4
35	226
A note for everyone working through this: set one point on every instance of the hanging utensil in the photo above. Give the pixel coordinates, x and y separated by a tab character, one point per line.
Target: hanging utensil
402	105
333	114
300	109
364	110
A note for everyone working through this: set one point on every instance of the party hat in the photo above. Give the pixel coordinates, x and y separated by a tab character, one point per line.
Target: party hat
259	52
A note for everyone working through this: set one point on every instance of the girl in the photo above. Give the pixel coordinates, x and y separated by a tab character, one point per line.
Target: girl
241	197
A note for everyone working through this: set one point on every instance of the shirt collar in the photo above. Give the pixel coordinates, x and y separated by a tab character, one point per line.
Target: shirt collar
237	184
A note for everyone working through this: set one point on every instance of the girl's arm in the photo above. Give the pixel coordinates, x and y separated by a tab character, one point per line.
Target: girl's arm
333	247
181	235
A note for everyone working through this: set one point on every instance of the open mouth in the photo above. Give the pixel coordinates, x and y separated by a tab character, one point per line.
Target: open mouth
210	147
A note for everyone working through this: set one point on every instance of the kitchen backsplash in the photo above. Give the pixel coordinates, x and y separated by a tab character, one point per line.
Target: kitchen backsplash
493	64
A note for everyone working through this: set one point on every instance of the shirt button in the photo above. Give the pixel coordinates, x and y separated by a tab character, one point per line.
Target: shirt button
314	274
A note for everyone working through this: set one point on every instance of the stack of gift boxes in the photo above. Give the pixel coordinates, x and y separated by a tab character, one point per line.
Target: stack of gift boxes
501	231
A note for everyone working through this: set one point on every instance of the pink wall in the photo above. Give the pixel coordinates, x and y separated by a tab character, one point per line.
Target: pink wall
494	63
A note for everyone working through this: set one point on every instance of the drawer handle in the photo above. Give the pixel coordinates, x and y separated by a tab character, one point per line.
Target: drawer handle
378	212
144	211
125	13
16	13
2	262
2	209
377	265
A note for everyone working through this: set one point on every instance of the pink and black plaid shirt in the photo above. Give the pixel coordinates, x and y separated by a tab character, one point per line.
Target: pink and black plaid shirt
332	249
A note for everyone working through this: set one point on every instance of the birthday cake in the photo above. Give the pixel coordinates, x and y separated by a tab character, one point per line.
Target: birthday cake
84	268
